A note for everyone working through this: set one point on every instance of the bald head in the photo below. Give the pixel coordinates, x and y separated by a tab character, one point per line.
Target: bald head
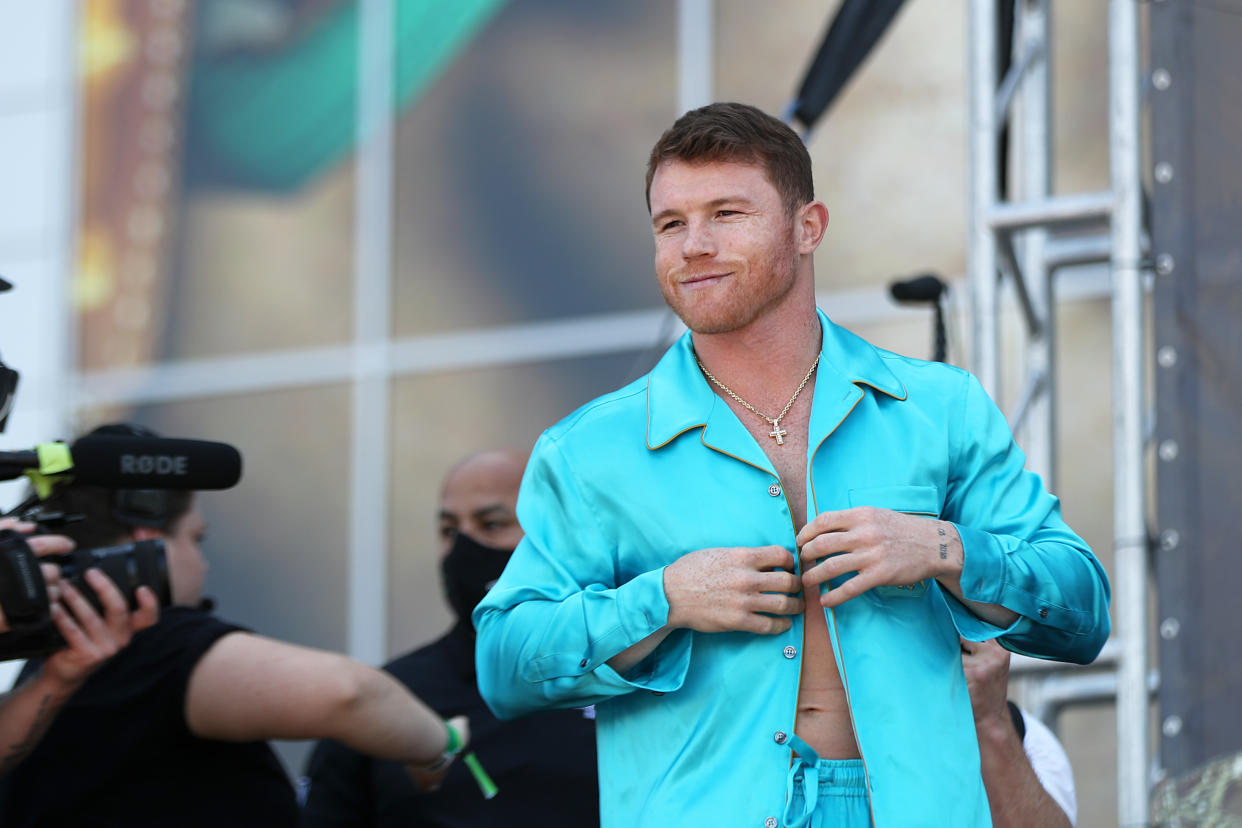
479	499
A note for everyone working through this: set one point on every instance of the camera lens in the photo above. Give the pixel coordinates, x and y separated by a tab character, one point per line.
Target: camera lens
142	563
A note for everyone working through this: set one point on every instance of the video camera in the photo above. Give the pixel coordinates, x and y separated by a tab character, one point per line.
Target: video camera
23	592
141	468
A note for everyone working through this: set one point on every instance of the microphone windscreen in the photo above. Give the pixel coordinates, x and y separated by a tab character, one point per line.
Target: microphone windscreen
925	288
118	462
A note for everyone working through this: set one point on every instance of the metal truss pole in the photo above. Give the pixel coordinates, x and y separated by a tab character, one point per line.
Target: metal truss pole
1035	154
1129	525
1023	240
981	254
1014	236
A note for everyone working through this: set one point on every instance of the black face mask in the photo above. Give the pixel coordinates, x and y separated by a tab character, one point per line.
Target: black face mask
469	570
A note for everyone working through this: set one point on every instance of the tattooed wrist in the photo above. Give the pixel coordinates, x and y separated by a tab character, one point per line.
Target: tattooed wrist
949	549
15	752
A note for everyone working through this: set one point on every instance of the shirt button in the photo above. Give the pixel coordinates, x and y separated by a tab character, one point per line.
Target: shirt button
770	822
780	736
775	490
1043	612
583	663
790	651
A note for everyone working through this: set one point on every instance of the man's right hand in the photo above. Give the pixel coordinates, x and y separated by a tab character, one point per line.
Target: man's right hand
740	588
724	589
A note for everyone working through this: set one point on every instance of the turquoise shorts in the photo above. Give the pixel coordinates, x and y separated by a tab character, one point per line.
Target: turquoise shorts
825	793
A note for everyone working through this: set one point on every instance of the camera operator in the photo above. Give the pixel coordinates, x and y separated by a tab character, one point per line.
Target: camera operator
170	732
90	639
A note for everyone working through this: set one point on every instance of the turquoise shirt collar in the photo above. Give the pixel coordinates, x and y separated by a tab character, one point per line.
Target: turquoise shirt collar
679	398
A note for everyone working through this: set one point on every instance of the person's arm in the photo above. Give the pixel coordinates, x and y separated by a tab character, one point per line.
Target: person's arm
548	627
1018	551
1016	796
1006	563
26	712
558	629
248	688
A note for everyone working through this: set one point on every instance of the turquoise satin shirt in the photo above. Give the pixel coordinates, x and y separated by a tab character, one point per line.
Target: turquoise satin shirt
697	733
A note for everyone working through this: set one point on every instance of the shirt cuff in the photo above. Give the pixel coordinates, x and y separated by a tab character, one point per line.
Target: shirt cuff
627	614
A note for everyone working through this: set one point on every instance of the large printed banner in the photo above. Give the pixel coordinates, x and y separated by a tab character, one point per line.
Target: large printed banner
260	96
133	54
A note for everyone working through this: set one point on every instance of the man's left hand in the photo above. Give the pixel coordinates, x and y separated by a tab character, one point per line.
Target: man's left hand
884	547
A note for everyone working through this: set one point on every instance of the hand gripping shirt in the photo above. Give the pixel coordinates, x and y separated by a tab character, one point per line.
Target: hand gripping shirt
697	733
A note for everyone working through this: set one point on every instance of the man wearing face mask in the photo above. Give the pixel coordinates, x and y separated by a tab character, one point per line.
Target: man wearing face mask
543	765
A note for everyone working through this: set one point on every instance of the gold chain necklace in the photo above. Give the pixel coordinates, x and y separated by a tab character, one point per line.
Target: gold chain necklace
777	433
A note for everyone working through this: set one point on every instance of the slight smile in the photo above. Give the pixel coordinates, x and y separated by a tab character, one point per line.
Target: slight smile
704	279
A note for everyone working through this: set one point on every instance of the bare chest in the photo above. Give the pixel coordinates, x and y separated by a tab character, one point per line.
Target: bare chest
788	456
823	706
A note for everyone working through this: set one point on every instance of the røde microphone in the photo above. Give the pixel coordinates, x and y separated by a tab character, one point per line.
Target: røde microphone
154	463
119	462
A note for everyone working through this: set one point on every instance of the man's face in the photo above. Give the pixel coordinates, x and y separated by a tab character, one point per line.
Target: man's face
480	500
725	248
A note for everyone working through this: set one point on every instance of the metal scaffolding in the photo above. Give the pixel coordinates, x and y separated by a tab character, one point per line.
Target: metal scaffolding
1026	241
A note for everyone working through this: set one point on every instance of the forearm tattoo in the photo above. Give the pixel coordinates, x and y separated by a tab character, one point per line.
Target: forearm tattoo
17	752
944	547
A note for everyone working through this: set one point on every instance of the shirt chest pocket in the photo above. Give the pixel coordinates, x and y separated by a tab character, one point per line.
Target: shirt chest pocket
923	501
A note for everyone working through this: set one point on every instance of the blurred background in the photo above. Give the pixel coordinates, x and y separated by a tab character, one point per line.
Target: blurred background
360	240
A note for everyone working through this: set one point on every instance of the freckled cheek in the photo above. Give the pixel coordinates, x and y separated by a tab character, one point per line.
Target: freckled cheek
749	239
666	262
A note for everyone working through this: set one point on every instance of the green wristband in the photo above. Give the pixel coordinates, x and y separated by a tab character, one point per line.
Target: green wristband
451	749
454	740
